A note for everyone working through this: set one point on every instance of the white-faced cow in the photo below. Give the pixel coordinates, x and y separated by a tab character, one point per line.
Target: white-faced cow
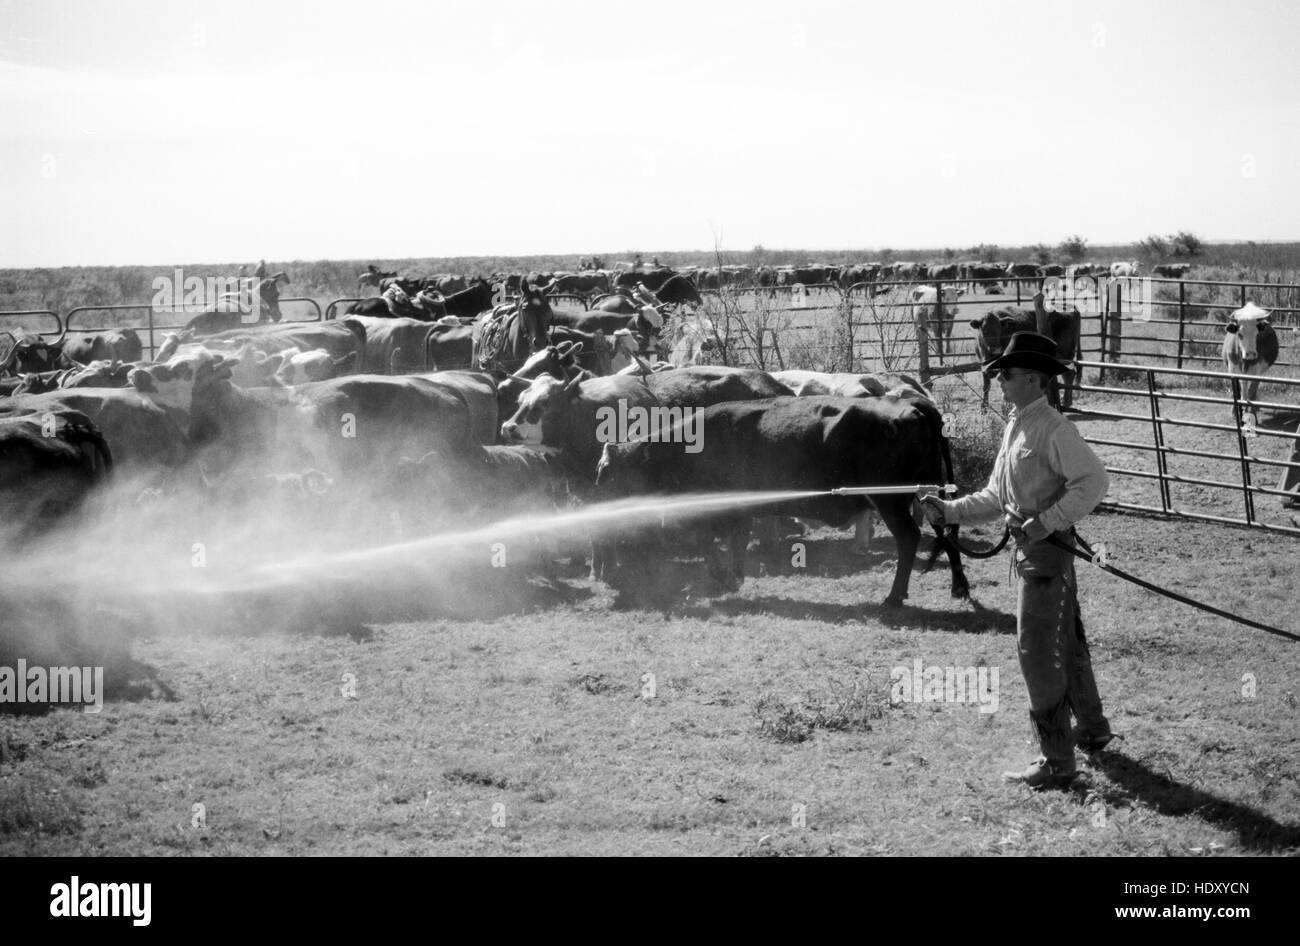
933	319
1250	345
1123	269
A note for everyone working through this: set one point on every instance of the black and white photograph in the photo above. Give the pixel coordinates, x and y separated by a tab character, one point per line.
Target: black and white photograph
715	429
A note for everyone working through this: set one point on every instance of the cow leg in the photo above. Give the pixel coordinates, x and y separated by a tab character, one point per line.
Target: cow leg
895	511
738	542
863	532
727	575
942	543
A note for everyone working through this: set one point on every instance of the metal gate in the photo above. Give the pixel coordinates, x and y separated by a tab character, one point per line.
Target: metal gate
1256	445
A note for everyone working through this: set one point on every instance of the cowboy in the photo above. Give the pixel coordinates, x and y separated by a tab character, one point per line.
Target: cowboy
1046	479
268	293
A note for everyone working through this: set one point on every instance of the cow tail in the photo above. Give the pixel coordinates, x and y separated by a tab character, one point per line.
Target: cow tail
359	332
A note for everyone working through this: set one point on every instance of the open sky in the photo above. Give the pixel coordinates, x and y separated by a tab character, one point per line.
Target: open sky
158	131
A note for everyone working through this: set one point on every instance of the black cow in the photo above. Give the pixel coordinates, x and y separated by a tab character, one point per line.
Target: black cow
478	297
803	444
49	462
996	328
31	353
652	279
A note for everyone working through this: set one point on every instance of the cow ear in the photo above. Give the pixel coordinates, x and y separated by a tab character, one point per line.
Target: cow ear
1231	328
975	323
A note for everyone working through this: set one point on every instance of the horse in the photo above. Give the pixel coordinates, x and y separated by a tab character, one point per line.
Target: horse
676	290
505	336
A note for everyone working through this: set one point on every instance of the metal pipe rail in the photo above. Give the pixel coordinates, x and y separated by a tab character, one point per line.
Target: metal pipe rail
45	315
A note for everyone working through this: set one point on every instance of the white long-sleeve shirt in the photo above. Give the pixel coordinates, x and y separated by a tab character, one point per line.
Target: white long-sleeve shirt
1044	468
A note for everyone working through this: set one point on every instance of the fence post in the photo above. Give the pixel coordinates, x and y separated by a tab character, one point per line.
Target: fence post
1158	434
1247	496
922	331
1103	327
1243	297
1115	316
1182	318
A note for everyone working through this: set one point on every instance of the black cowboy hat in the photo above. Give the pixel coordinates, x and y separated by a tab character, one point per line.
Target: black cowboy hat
1029	350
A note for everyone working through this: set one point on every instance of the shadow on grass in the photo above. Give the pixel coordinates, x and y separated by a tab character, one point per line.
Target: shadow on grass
1255	830
1288	421
978	620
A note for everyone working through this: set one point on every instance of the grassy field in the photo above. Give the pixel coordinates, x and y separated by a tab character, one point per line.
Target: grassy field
769	730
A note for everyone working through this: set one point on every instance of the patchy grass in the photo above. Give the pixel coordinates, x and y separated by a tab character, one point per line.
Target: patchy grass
769	730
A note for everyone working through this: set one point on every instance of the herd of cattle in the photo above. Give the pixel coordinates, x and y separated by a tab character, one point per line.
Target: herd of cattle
404	413
994	276
335	406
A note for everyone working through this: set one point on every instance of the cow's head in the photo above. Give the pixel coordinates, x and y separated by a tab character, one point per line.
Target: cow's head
534	314
623	470
316	365
988	341
173	384
545	397
1246	323
100	374
31	353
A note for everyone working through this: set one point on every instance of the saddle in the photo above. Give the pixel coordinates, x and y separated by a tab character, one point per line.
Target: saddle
495	335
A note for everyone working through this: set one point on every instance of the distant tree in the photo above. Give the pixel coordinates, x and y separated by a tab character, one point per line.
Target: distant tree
949	253
1042	253
758	255
1073	248
986	252
887	255
1154	245
1185	245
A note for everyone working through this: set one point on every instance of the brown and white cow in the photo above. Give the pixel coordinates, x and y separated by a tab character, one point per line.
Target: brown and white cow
1250	345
